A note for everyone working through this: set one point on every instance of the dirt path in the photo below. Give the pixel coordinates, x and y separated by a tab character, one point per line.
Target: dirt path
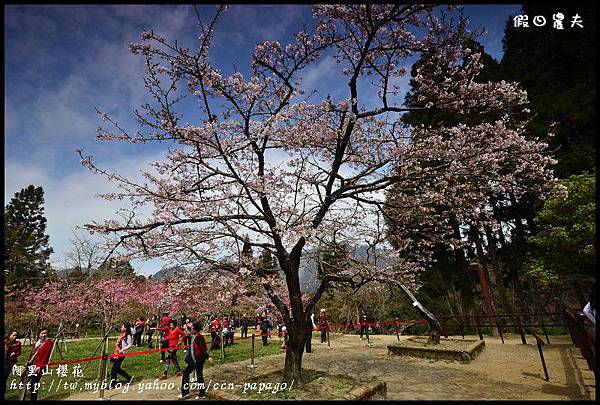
502	371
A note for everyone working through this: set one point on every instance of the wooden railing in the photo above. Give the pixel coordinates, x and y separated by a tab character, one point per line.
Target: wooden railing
523	322
583	334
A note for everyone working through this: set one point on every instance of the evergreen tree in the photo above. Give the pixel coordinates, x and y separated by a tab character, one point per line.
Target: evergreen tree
115	268
450	268
26	250
247	256
558	70
266	265
332	259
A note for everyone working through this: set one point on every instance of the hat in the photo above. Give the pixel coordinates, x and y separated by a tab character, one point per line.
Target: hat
323	310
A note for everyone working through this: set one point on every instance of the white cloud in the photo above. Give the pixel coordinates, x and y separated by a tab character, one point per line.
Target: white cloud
18	176
70	201
324	76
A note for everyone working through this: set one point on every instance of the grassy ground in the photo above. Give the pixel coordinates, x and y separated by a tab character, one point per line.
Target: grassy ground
141	367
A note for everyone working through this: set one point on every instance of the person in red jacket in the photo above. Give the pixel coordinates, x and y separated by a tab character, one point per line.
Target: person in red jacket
164	342
12	350
215	333
323	321
164	321
195	359
173	335
39	357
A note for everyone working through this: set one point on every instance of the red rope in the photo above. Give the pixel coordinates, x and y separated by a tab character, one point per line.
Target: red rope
116	355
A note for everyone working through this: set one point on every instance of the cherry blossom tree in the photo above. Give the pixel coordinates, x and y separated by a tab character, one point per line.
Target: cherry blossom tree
61	301
221	185
105	301
151	296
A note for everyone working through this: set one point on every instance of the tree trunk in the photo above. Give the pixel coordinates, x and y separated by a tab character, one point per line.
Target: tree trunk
292	370
496	269
296	316
434	324
486	292
465	283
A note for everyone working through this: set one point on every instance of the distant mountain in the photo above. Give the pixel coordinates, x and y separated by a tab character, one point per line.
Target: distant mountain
307	272
64	273
167	272
309	264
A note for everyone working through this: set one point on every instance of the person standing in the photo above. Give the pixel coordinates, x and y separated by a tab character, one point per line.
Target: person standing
173	335
164	343
195	359
364	327
187	329
225	332
232	326
215	328
284	336
151	328
244	323
589	309
12	350
264	328
139	328
310	326
323	325
164	321
39	357
280	326
124	342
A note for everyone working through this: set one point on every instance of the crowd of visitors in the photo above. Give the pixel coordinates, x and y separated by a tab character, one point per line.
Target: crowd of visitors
171	334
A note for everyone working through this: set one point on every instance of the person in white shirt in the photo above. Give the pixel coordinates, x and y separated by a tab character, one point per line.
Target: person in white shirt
124	342
590	313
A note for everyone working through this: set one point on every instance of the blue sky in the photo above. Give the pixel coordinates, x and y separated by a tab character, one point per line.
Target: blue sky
62	61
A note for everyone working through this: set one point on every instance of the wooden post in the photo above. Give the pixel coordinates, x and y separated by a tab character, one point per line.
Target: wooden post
103	366
544	328
539	345
500	331
397	330
252	365
222	349
460	325
94	355
57	344
100	364
521	330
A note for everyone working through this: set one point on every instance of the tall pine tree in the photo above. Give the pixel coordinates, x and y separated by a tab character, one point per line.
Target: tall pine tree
26	250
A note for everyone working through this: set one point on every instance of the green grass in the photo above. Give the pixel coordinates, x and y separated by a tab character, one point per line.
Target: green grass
141	367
